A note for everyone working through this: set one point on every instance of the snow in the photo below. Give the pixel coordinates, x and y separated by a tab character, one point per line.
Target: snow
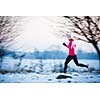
50	78
46	71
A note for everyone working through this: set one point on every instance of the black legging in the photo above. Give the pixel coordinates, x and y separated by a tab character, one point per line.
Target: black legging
69	58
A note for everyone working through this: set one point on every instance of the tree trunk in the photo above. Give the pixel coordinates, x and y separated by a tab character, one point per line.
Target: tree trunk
98	52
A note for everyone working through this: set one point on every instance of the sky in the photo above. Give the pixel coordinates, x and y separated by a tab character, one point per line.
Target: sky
36	33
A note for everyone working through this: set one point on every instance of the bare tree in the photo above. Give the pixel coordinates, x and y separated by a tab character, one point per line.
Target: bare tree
8	32
86	26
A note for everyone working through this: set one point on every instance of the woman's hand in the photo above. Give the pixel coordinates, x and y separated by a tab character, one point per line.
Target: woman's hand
64	44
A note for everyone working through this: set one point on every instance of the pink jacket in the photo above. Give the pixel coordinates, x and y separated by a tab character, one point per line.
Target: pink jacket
71	47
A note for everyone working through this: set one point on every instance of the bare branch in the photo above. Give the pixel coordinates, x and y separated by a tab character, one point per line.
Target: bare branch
8	30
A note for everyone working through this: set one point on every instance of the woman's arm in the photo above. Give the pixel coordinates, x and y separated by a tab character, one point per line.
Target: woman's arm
65	45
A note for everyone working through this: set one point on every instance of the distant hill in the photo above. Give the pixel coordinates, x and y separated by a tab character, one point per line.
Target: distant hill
55	54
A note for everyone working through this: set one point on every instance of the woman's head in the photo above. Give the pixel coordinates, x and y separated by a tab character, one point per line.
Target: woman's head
70	37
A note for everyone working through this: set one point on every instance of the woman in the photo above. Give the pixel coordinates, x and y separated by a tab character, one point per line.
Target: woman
72	55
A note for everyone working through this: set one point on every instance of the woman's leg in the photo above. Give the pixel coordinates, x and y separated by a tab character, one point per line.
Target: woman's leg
68	59
79	64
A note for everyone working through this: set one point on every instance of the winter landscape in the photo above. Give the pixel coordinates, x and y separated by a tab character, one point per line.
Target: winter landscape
46	71
36	54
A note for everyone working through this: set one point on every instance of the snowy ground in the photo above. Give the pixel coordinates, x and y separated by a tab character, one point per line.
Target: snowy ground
50	78
46	71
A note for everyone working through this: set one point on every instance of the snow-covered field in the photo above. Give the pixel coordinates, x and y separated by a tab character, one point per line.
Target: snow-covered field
46	71
50	78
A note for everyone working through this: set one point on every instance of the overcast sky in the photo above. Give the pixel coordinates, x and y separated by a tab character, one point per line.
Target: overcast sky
36	33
